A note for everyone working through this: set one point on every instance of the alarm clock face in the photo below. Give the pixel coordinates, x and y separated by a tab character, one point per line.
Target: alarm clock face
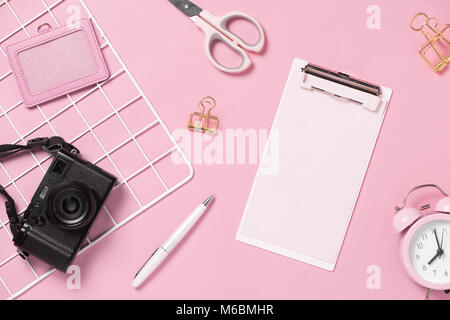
429	251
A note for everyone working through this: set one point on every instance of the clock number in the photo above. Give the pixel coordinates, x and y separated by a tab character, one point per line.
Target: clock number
434	271
424	236
424	267
420	245
417	257
446	273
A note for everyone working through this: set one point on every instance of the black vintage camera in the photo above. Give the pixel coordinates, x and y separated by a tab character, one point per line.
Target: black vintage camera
62	210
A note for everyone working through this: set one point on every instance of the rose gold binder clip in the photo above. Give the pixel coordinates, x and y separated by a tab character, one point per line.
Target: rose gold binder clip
203	121
436	40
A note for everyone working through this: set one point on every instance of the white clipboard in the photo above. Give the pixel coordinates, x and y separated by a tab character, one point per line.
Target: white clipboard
325	132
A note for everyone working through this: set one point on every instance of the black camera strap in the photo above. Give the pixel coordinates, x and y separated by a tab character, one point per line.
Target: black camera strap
10	207
51	145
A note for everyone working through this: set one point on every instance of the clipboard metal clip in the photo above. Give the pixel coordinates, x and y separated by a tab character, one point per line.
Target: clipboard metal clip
341	85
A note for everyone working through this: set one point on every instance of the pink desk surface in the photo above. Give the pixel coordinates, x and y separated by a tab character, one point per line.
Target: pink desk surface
165	53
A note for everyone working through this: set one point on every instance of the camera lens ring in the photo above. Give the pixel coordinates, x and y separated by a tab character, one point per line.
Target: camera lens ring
71	205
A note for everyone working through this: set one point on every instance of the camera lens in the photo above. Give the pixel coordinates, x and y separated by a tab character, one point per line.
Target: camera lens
71	205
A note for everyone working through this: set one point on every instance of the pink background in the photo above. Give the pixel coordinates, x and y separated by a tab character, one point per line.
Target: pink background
164	51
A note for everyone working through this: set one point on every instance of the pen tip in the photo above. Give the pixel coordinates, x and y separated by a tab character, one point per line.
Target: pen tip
136	283
207	201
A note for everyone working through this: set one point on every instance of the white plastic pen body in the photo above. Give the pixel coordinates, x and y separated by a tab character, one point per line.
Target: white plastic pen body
177	236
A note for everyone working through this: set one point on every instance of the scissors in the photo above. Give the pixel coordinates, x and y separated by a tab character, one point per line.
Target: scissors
216	29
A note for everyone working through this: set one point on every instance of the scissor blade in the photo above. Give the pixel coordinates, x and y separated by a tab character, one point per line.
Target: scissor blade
187	7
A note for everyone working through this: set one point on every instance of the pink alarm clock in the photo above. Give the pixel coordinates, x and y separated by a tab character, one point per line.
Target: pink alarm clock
425	244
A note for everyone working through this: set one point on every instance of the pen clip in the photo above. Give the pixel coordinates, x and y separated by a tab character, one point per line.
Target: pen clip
137	273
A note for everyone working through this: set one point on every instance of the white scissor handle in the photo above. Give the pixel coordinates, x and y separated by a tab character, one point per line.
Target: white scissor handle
221	23
215	29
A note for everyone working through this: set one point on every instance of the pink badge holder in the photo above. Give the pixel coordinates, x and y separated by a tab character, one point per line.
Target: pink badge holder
56	62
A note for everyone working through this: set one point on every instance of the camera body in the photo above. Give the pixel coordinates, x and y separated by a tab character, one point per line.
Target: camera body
63	210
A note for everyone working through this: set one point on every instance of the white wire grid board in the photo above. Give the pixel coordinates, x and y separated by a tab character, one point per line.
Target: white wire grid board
112	123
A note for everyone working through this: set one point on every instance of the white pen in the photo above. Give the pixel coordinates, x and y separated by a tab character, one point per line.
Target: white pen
163	252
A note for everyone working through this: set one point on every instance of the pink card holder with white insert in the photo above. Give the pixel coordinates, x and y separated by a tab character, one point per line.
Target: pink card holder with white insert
57	62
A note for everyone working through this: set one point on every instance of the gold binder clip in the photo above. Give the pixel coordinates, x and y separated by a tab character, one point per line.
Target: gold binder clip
202	121
436	40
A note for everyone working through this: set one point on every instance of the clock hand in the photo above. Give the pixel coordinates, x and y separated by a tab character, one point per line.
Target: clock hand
437	240
438	254
442	242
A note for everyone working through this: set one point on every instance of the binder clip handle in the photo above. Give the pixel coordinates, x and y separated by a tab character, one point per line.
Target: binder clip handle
200	121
